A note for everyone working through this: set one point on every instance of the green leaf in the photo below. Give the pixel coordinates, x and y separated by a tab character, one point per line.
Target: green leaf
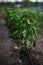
24	33
28	43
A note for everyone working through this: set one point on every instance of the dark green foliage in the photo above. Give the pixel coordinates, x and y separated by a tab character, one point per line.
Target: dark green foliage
23	26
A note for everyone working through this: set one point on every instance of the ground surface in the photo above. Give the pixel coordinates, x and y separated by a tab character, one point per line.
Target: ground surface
7	54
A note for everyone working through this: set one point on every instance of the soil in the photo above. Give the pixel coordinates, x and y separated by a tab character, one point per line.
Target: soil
10	56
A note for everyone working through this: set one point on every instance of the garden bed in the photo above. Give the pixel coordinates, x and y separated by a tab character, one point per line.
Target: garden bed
11	56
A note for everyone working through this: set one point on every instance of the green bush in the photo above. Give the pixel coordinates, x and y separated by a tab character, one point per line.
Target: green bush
23	26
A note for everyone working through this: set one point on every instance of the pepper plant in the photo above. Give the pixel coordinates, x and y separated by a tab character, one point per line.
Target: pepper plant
23	26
